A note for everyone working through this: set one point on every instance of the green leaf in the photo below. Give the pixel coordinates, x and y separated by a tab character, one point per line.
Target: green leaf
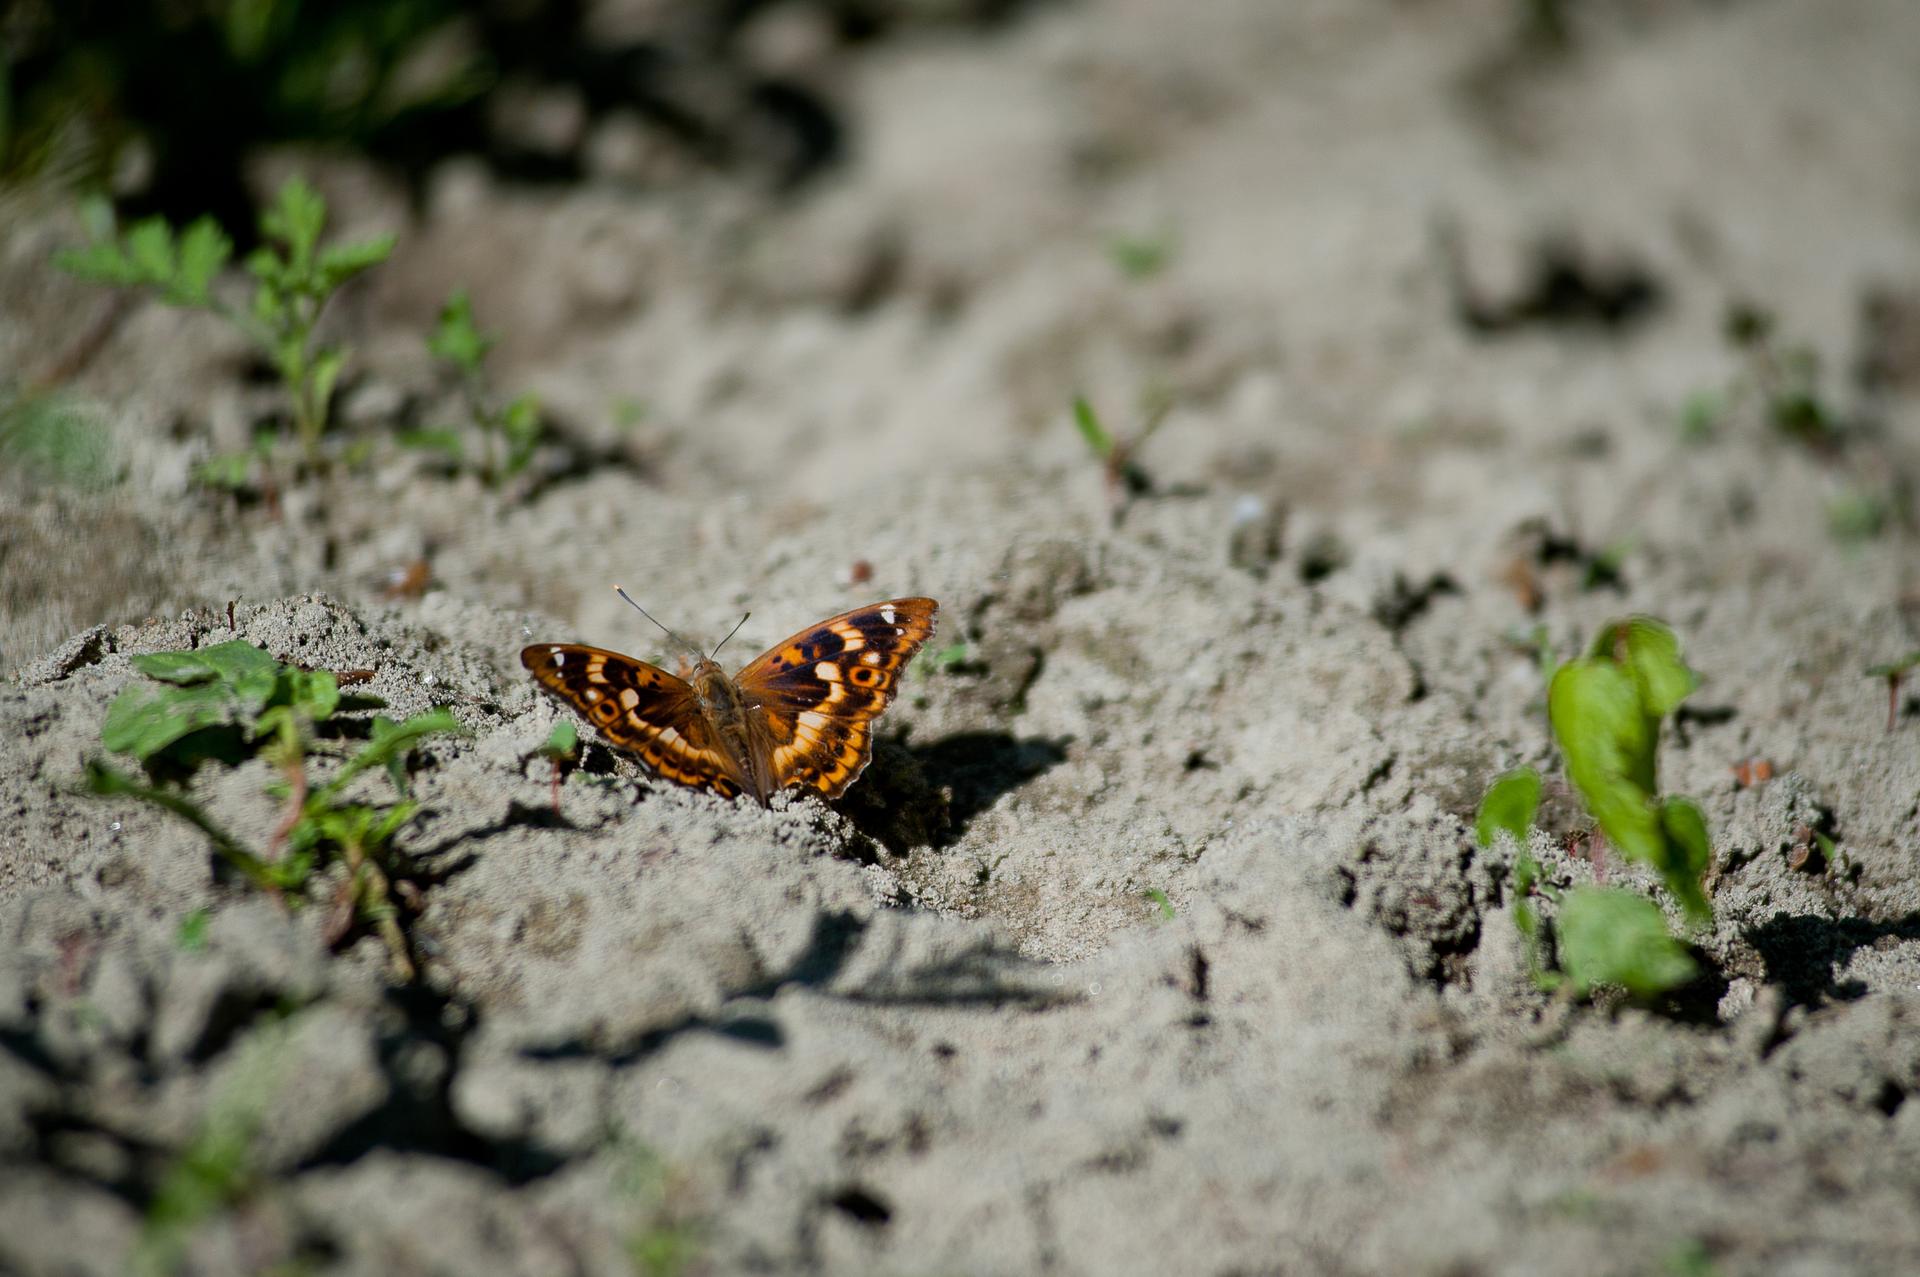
391	742
235	661
1140	256
1606	710
102	263
1090	428
563	741
456	338
230	470
521	425
1601	725
269	302
1611	936
1896	669
313	693
1510	803
396	816
1701	415
443	440
296	219
1651	653
1856	516
144	720
150	249
1159	898
342	262
192	933
325	372
1687	852
204	249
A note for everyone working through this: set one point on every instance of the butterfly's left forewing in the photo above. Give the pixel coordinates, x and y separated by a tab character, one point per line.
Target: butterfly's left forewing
820	691
637	707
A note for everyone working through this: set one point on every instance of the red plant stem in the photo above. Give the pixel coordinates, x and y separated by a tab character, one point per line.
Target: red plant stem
296	804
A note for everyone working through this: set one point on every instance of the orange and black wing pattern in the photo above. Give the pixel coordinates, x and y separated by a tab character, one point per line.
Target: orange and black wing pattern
639	708
820	690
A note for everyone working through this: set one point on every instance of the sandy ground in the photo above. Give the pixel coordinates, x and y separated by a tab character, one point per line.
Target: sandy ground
941	1026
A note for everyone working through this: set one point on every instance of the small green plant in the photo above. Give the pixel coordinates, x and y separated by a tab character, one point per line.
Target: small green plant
511	432
231	702
665	1241
1895	673
294	278
1158	898
216	1169
1781	385
1856	515
1119	458
562	746
1142	256
950	657
191	937
1606	710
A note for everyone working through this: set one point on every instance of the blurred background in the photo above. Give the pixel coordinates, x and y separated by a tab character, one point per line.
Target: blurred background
1346	263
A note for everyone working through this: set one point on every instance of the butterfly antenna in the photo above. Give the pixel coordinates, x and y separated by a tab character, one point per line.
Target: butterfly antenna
642	611
730	633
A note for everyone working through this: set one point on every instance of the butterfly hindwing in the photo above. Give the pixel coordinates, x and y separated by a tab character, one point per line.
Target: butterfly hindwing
639	708
820	690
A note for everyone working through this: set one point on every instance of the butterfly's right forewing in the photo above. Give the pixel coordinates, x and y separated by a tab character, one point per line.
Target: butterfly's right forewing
639	708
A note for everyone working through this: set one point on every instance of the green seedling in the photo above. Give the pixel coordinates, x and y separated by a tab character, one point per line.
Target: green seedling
1142	256
1125	477
1781	385
561	746
232	702
1609	935
294	278
1857	515
1158	898
216	1169
1895	673
665	1240
629	412
511	432
950	657
1606	710
191	937
1508	808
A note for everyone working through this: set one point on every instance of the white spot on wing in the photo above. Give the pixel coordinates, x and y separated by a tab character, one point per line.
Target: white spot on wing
629	698
668	735
592	695
871	658
559	658
812	718
827	671
886	614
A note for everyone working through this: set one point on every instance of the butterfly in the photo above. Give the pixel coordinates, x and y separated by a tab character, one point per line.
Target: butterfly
799	714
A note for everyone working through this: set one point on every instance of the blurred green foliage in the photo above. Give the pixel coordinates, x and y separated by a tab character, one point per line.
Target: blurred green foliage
91	89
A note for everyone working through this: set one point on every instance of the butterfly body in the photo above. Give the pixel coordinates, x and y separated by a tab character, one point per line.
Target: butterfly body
799	715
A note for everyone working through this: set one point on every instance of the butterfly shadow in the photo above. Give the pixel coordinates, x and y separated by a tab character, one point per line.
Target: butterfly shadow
925	795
